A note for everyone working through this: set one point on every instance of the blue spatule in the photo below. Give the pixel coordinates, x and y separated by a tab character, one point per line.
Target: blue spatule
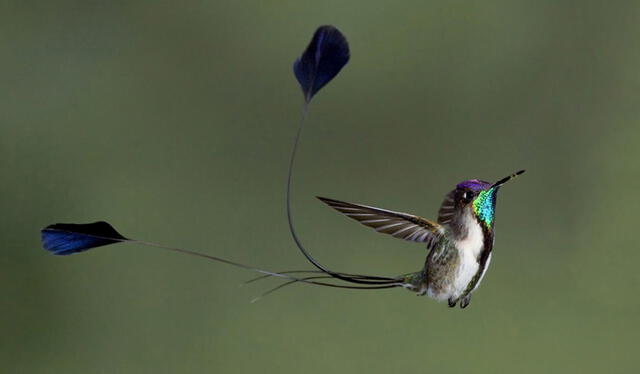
325	56
68	238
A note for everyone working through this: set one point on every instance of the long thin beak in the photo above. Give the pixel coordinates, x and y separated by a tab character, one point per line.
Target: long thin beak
506	179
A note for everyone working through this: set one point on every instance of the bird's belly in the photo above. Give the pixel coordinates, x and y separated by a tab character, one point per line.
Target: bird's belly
454	284
460	271
468	269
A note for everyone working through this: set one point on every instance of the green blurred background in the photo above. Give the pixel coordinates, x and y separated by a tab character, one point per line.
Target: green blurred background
174	121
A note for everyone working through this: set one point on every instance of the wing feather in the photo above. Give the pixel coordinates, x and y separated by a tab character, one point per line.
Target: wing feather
397	224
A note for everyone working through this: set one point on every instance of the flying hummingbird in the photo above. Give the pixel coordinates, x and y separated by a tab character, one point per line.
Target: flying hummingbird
460	242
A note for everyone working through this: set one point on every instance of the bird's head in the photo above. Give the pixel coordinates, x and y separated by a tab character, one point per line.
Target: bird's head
474	196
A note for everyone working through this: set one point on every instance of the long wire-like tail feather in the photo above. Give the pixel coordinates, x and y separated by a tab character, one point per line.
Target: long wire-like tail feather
65	239
360	279
324	57
306	279
260	277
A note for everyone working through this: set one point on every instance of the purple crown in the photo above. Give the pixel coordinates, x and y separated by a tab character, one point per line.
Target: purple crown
474	185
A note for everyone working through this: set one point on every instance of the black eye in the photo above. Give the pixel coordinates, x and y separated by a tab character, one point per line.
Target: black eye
467	196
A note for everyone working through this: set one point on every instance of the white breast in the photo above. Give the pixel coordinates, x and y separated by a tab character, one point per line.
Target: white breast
468	249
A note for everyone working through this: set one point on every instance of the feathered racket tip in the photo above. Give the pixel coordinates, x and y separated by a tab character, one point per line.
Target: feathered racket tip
69	238
325	56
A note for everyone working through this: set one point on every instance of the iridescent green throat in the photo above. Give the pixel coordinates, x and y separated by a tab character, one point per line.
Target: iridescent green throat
484	206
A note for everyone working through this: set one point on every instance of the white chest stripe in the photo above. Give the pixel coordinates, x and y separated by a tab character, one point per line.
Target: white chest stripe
474	241
468	249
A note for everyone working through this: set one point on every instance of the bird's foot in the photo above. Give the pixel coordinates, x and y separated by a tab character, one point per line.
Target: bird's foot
464	301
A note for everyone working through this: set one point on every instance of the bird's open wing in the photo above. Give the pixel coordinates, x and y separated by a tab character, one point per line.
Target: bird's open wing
399	225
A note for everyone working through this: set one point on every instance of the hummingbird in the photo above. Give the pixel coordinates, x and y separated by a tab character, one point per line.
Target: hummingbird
460	243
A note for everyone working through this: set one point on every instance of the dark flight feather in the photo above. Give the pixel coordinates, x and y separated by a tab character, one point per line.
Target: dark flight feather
325	56
68	238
